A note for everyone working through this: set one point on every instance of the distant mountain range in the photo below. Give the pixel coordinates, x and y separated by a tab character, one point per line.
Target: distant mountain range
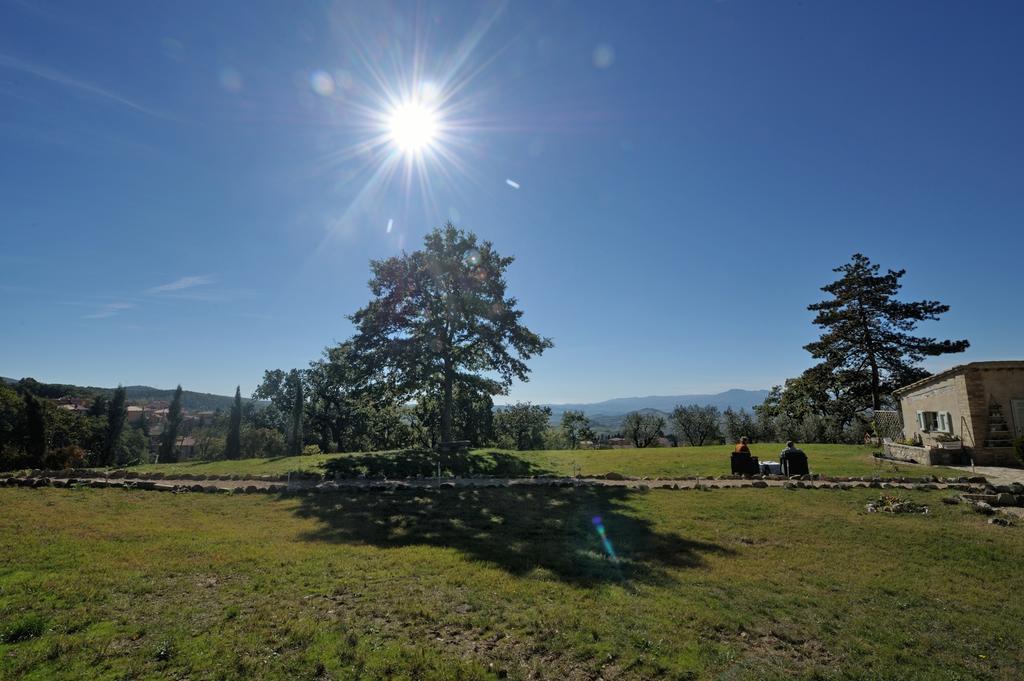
606	417
191	401
736	399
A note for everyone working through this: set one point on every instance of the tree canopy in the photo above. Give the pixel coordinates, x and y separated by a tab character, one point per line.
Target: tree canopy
643	429
697	424
439	319
867	345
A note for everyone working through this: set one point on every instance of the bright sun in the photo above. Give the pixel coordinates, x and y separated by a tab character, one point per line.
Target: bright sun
412	127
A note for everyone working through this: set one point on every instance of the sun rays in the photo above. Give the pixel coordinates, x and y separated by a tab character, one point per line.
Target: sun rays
407	133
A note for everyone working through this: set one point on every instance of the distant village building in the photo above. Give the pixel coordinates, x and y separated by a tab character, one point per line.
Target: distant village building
186	447
976	407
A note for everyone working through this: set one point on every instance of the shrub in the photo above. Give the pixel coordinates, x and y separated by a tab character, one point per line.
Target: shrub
311	450
70	456
262	443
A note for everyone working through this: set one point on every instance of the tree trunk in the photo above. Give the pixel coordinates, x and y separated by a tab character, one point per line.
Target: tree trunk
446	402
876	399
336	435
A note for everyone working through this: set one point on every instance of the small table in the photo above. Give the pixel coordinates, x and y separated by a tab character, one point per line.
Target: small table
771	468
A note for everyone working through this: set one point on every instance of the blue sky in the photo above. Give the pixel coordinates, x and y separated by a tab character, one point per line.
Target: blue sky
185	197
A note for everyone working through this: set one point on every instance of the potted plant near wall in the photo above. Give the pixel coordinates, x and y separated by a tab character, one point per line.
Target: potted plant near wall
944	441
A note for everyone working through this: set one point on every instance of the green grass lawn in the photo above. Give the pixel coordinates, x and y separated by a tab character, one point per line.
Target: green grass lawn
744	583
655	462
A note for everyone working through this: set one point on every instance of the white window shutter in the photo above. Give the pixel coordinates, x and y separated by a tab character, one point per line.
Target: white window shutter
920	420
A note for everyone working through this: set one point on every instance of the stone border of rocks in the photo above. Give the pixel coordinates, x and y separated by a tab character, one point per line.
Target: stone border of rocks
122	474
995	497
307	478
150	485
427	485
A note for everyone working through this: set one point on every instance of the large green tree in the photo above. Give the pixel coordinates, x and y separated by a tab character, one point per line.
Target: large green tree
337	411
576	427
169	438
278	387
233	444
440	319
867	345
522	425
642	428
696	424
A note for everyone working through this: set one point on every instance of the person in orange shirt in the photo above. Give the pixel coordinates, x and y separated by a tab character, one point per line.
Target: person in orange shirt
741	446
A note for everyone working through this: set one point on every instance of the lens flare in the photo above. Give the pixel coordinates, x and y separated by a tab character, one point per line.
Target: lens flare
603	534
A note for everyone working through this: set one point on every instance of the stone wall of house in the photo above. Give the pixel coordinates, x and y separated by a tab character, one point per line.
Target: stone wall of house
949	394
1004	385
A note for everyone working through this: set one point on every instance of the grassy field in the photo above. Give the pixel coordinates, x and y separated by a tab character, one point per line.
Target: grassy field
657	462
494	583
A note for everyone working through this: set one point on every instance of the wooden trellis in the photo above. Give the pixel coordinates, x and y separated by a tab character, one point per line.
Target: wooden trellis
888	424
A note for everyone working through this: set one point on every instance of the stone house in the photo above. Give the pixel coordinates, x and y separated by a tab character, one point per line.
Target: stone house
981	404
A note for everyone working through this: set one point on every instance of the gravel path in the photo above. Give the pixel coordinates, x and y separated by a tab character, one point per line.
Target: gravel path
997	475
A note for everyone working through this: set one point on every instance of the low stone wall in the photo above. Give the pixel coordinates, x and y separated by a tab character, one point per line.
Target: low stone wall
919	455
934	456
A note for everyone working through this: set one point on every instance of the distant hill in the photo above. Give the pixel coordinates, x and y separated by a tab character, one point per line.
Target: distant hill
136	394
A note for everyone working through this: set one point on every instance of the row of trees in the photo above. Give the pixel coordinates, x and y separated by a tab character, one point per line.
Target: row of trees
440	337
35	432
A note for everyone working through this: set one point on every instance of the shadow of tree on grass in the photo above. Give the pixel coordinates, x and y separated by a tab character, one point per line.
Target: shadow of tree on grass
518	529
411	463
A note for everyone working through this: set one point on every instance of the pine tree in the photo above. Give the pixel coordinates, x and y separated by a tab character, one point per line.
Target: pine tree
867	346
35	430
233	446
168	451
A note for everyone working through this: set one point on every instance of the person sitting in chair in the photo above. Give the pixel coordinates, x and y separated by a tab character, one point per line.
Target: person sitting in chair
741	446
790	449
793	460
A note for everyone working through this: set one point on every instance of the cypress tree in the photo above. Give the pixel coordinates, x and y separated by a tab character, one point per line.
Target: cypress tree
98	406
233	446
116	413
35	430
295	443
168	451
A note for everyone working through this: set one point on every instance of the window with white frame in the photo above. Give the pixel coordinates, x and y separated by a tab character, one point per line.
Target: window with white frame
935	421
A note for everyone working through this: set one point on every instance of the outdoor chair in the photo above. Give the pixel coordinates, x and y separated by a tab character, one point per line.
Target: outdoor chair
744	464
794	464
